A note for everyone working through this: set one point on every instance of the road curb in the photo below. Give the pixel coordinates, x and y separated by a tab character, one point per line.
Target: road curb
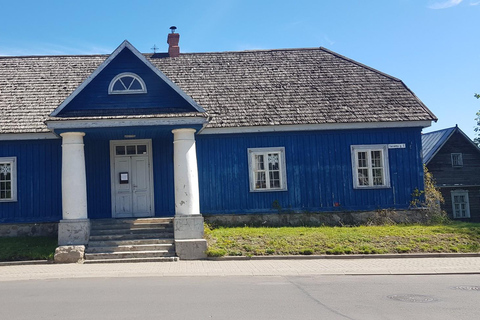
298	257
22	263
350	256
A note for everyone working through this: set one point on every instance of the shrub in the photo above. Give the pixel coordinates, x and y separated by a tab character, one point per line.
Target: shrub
430	199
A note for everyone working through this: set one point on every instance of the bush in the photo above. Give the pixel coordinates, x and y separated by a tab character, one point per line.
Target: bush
430	199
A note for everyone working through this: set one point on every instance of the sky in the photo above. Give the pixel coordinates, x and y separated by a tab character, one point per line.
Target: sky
431	45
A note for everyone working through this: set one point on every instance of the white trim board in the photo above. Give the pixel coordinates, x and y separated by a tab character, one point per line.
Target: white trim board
315	127
110	123
141	57
28	136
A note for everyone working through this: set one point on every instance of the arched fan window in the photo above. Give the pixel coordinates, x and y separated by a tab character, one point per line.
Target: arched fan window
127	83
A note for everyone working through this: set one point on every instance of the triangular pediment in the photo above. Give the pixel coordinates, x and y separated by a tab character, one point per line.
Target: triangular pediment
126	83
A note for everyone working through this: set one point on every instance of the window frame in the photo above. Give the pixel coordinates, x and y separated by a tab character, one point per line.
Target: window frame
252	152
127	91
383	148
464	193
459	163
13	177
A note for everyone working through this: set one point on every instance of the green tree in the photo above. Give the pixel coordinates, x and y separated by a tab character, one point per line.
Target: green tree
477	128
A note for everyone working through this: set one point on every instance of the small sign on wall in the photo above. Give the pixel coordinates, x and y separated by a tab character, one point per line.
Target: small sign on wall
123	177
396	146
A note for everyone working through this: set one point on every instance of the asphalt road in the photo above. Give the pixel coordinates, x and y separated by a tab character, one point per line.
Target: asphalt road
245	297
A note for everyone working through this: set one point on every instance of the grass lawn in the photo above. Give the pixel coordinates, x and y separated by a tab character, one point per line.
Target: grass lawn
27	248
248	241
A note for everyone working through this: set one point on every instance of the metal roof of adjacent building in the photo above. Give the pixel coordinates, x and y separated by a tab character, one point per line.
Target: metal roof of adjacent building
433	141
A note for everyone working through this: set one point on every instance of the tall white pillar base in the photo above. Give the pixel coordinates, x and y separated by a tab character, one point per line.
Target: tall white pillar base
193	249
73	232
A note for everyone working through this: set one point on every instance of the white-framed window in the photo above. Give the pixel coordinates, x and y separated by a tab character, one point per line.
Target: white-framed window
370	166
267	169
8	179
460	205
457	160
127	83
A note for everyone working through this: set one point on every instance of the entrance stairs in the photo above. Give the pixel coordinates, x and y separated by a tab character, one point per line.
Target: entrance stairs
131	240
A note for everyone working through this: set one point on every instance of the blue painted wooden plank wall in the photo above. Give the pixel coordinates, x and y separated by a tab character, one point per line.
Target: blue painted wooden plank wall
39	181
319	171
94	98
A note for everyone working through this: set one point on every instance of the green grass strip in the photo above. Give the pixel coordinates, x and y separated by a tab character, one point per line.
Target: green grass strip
258	241
27	248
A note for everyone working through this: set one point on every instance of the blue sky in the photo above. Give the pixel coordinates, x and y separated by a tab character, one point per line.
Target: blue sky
432	45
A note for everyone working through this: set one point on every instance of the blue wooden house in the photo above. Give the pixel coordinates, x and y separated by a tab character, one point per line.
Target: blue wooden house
130	135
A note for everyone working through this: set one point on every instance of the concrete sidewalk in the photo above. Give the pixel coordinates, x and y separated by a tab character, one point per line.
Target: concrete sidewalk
278	267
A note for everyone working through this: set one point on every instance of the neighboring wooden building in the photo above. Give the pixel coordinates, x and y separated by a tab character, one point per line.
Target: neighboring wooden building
122	135
454	160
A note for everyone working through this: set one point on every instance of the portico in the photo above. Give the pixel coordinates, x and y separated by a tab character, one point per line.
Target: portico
74	228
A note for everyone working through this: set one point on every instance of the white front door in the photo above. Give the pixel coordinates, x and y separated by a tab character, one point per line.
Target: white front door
132	178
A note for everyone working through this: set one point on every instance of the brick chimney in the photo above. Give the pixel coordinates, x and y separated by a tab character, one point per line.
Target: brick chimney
172	40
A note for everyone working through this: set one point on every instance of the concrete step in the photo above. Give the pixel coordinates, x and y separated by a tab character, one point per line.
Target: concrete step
124	222
113	231
131	240
129	254
131	225
110	243
165	235
125	248
134	260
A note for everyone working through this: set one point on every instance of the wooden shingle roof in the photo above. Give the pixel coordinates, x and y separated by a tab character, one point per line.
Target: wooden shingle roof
248	88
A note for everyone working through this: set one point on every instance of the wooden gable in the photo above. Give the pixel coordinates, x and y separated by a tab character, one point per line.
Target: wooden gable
447	174
94	99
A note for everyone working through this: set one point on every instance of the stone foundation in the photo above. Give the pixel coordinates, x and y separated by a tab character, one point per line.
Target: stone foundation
319	218
45	229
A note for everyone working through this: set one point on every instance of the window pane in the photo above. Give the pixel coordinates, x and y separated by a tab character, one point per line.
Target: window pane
363	177
127	81
120	150
131	150
260	181
273	160
142	149
259	162
377	177
457	159
362	159
118	86
376	159
5	170
274	179
136	85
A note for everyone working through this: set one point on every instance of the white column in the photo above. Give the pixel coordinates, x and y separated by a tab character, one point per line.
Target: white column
74	181
187	199
188	222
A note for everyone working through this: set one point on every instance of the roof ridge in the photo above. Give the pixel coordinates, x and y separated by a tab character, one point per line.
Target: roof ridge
360	64
150	54
56	56
437	131
383	74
